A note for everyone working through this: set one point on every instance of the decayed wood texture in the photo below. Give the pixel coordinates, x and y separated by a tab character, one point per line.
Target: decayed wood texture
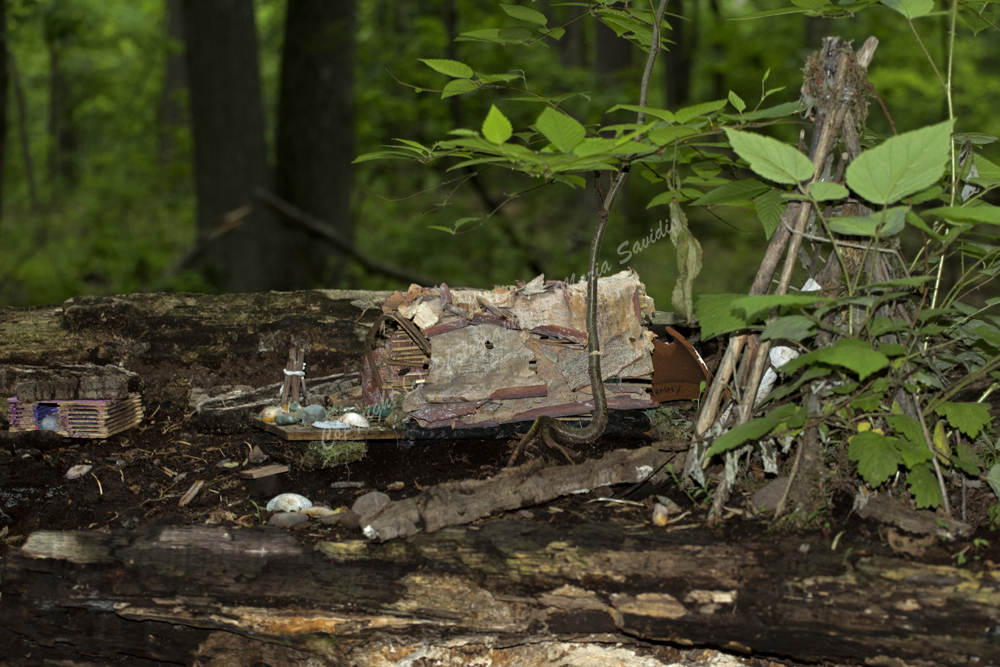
496	592
235	338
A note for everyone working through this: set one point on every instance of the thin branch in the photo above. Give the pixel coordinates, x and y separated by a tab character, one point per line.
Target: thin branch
547	428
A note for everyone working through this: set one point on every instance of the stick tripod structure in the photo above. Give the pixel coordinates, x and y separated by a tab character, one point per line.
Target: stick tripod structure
836	85
295	377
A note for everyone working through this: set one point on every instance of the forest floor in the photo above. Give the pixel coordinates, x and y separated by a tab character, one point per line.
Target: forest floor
139	476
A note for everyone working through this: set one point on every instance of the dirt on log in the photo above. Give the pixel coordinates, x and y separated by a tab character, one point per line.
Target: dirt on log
174	341
496	592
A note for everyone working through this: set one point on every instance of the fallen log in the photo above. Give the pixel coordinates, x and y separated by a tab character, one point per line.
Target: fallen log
501	591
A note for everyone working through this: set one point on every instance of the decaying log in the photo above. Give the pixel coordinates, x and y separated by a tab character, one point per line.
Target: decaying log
493	592
175	340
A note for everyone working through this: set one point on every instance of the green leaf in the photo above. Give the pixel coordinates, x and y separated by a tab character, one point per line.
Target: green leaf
887	222
661	199
496	127
969	418
382	155
924	487
733	191
789	327
877	456
688	261
457	87
514	34
849	353
777	111
563	131
703	109
716	315
737	102
982	214
525	14
769	208
993	479
755	306
966	459
825	191
771	158
662	136
901	165
662	114
751	430
911	9
452	68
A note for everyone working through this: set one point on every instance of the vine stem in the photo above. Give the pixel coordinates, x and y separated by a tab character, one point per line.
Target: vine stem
548	429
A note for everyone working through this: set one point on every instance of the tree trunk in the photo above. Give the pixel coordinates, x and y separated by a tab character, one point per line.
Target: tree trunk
315	135
172	113
59	31
4	88
678	59
230	154
504	592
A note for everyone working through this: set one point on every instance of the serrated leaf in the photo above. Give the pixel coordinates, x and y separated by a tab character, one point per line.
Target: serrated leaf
452	68
496	127
485	35
771	158
514	34
901	165
969	418
754	306
849	353
789	327
525	14
688	261
381	155
751	430
993	479
911	442
737	102
982	214
463	221
564	132
911	9
716	315
457	87
769	208
703	109
733	191
887	222
777	111
661	199
662	136
967	460
924	487
448	230
877	456
826	191
662	114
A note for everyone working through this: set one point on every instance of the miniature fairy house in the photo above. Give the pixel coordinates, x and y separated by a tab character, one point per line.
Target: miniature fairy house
466	357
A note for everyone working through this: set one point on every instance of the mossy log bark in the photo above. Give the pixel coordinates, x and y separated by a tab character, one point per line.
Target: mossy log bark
507	592
174	340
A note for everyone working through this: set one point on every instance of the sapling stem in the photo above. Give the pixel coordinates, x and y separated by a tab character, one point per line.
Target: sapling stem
546	428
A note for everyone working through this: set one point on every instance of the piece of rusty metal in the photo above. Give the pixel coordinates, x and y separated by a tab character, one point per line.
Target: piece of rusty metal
678	370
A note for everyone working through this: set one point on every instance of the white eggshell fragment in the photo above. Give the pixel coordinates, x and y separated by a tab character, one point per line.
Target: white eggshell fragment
288	502
354	419
78	471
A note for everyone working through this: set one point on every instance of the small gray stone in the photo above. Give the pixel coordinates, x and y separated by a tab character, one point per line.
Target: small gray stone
312	413
370	503
332	519
350	520
767	498
287	519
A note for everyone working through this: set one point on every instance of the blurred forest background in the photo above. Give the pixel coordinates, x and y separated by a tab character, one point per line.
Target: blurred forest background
136	132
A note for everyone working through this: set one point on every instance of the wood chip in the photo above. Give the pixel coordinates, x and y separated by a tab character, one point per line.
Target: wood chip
266	471
191	493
